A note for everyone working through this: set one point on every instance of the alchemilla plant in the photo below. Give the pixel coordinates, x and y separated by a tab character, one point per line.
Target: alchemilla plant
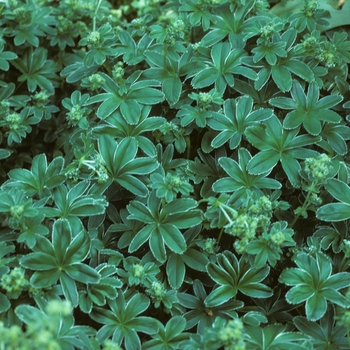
174	174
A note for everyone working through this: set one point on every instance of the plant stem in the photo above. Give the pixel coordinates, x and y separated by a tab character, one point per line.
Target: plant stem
305	205
95	15
188	145
220	235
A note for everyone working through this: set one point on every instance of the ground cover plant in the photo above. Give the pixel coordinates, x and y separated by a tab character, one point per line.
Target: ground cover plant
174	174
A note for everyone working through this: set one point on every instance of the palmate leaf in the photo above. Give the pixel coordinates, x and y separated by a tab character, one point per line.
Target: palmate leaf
232	276
274	337
238	115
37	70
286	65
278	145
163	225
314	284
265	251
41	178
128	96
122	163
170	336
336	137
325	334
169	69
240	178
6	56
231	21
199	313
308	109
61	259
336	211
76	202
122	321
225	62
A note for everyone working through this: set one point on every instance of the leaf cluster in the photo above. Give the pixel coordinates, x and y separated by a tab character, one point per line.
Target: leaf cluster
174	175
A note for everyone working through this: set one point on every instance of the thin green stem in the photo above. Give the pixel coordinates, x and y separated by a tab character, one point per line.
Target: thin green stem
344	264
304	207
226	215
188	145
165	50
220	235
95	15
18	86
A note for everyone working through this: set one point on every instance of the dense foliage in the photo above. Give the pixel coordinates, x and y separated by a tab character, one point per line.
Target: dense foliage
174	174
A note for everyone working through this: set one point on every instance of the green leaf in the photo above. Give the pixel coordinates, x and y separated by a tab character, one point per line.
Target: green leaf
45	279
131	111
339	190
299	294
220	295
4	303
69	289
82	273
38	261
156	244
316	307
147	96
195	260
28	314
313	284
175	270
61	239
282	77
263	162
172	88
173	238
334	212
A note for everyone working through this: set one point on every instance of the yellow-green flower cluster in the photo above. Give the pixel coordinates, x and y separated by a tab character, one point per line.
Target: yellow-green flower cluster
317	168
310	44
346	248
14	281
13	120
175	30
111	345
39	334
73	173
4	109
65	25
75	114
232	335
345	319
95	81
41	98
210	246
16	211
327	56
277	238
310	8
157	290
205	100
138	271
58	308
159	294
245	226
118	72
22	16
94	39
267	31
